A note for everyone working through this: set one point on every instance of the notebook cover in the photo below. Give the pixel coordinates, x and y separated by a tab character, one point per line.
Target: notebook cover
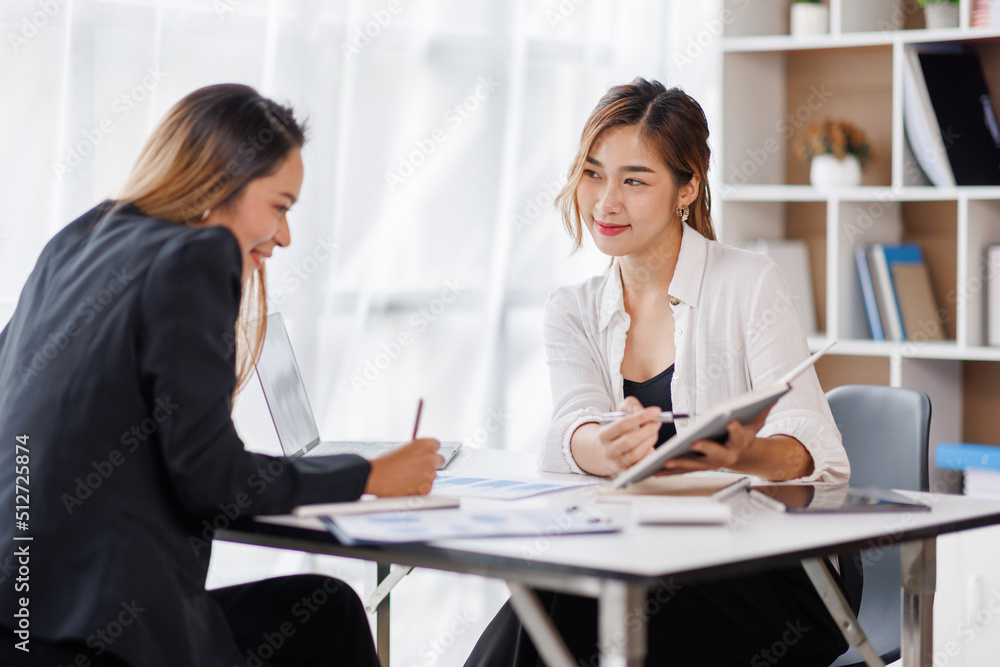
916	301
965	115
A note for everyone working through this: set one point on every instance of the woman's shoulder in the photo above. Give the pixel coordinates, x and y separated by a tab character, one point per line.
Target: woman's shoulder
579	298
728	263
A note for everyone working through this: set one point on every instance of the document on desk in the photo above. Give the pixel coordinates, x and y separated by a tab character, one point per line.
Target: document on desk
446	524
506	488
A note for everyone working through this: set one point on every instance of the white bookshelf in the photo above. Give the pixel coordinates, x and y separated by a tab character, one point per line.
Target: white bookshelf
773	86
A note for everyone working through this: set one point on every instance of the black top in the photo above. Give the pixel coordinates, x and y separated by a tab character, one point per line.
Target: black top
655	391
118	367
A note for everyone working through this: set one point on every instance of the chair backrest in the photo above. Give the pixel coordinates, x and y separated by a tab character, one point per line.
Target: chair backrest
885	432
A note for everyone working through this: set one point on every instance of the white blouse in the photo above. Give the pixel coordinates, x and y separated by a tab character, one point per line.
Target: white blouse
735	328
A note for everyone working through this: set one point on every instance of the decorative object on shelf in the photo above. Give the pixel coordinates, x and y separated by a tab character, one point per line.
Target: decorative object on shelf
809	17
985	13
940	13
839	151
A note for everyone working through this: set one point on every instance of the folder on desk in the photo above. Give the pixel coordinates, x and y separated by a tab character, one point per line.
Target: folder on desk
447	524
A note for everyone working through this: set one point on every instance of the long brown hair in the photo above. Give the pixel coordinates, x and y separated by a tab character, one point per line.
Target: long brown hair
673	124
201	156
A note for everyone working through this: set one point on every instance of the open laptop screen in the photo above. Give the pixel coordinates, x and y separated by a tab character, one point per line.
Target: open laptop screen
283	389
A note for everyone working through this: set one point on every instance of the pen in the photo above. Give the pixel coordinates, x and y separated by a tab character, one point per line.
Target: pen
767	501
665	417
734	489
416	423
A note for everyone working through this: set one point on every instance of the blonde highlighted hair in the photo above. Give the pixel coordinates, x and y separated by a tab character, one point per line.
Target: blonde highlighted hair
674	126
201	156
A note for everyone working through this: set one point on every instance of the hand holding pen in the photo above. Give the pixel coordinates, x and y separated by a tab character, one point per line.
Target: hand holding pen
409	470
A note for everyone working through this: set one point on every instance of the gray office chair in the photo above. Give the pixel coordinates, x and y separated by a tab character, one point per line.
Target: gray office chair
885	431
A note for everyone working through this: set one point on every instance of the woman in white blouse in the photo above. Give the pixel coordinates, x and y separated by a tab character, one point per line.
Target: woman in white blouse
679	322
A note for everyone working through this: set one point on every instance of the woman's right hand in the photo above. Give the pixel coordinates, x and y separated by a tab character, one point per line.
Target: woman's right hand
617	446
407	471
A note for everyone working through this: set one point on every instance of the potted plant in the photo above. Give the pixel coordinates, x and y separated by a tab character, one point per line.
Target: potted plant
838	152
940	13
809	17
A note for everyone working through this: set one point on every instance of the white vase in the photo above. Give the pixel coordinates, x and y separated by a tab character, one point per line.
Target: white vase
809	19
941	15
826	171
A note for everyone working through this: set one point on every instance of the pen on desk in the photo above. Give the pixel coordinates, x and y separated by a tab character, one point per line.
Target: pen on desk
416	423
767	501
734	489
665	417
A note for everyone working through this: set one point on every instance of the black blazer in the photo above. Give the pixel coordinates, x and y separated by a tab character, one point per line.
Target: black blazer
118	366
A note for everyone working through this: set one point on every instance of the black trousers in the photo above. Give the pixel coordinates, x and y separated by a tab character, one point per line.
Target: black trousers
302	620
770	618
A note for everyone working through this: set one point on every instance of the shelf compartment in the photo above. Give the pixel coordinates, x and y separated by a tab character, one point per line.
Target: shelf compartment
975	271
834	371
931	224
772	98
805	221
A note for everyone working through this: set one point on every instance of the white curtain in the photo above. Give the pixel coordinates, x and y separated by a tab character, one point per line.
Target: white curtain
425	240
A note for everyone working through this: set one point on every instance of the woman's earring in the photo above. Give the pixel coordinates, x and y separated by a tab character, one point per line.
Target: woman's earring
204	216
683	213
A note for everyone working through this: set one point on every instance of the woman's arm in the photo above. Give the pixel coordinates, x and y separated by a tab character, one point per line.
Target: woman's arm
581	391
189	304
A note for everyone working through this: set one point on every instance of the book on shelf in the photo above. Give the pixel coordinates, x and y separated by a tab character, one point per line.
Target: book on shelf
965	455
902	287
921	126
985	13
993	295
982	483
888	309
868	293
911	282
964	110
792	258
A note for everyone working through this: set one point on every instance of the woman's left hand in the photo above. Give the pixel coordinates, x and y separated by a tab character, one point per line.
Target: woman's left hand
737	449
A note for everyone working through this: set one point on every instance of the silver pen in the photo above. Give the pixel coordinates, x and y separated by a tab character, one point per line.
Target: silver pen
742	485
665	417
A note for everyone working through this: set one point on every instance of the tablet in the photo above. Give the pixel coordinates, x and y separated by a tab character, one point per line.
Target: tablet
839	498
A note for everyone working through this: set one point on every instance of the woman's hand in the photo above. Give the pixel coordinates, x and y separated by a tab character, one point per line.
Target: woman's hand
778	457
609	449
408	471
739	447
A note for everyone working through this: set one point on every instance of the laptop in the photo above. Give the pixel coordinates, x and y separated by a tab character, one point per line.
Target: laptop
290	410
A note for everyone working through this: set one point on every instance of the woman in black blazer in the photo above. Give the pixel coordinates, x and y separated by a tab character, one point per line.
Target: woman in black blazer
117	447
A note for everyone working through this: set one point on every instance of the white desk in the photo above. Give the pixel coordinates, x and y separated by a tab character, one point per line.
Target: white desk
620	568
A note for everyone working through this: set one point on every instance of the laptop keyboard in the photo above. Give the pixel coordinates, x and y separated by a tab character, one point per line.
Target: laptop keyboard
366	449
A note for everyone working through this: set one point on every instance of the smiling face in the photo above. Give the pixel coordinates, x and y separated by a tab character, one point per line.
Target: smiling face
627	196
257	216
